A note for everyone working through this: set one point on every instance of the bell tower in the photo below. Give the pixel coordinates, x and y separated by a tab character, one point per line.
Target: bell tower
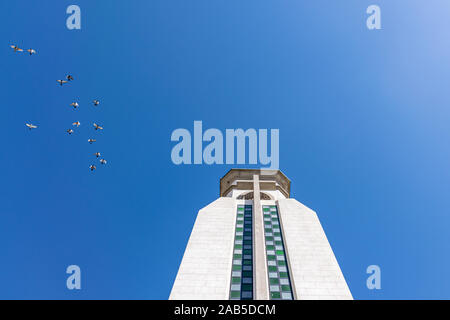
255	242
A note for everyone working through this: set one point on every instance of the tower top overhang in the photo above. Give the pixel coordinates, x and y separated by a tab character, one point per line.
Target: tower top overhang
242	179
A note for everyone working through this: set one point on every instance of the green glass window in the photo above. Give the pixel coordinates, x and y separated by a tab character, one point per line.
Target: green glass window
279	281
242	270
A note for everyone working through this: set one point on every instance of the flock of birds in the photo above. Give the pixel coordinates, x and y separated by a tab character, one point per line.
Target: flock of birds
75	105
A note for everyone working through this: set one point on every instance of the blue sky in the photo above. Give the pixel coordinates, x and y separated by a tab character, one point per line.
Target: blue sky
363	118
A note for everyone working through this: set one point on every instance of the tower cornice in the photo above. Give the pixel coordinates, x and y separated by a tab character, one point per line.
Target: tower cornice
242	179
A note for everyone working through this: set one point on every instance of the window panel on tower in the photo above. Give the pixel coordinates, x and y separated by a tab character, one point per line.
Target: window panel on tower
279	283
242	271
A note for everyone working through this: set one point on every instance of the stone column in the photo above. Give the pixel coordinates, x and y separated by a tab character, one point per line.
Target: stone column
259	253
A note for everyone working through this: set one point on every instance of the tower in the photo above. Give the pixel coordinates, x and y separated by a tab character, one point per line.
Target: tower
255	242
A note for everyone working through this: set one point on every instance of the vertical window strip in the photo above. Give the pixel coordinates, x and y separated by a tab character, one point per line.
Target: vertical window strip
279	280
242	269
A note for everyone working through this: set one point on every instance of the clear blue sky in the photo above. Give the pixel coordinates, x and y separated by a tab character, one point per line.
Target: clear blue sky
364	135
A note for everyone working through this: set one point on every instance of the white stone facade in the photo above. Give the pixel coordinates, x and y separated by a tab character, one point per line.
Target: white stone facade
314	269
205	270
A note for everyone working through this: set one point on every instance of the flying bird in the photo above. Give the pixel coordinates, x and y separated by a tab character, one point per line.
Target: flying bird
70	131
96	102
31	51
76	124
92	167
69	77
97	154
61	82
97	127
30	126
91	140
16	48
74	105
102	161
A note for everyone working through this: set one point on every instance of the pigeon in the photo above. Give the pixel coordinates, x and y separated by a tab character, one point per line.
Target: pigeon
97	127
61	82
31	51
74	105
92	167
30	126
76	124
70	131
91	140
102	161
69	77
97	154
16	48
96	102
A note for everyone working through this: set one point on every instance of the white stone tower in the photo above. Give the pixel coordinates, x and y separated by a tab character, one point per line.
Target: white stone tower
255	242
